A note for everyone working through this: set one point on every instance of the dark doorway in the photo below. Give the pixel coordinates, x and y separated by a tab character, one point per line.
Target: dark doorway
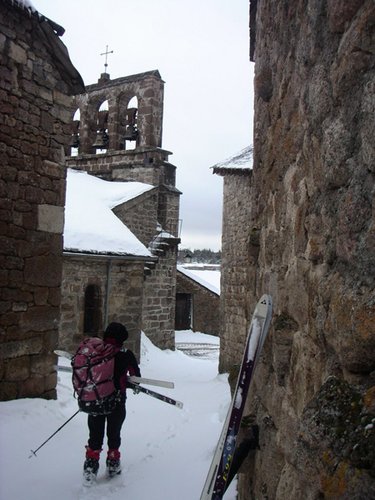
92	310
183	311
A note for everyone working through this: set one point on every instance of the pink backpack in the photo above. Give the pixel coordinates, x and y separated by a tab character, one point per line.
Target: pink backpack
93	371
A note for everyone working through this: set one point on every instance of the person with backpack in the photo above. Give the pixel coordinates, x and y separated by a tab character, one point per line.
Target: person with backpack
91	381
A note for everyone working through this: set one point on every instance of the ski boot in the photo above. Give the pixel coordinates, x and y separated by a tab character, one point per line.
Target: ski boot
91	466
113	463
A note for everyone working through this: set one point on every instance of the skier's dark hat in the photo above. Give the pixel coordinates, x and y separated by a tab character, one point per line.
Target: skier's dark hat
116	331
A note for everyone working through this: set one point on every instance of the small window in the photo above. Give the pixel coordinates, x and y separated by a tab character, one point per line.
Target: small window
92	317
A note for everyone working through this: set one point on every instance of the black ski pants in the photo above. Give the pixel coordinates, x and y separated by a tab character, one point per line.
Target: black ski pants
114	423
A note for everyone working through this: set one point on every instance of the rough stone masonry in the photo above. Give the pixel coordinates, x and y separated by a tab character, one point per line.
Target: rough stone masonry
36	79
312	201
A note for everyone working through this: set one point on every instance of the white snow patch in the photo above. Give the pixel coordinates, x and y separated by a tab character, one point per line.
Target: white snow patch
90	224
208	279
238	400
242	159
186	336
161	447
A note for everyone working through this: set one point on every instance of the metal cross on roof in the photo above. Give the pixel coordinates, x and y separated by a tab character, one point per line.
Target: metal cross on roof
106	57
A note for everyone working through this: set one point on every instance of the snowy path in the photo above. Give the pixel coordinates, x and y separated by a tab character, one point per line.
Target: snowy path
166	452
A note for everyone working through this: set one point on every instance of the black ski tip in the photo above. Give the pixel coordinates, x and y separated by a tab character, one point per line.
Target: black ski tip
33	454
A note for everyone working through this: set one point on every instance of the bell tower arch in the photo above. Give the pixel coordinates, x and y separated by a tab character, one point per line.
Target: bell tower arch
135	111
123	140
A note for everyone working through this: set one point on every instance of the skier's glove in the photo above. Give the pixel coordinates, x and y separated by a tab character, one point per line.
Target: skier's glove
136	389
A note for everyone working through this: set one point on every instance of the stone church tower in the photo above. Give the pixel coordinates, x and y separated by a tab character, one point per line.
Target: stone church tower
117	136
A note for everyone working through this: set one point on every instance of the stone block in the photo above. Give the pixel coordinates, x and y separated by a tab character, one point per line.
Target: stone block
51	340
45	94
52	169
17	349
42	364
8	390
51	218
50	382
17	53
62	99
46	122
29	148
43	271
32	387
17	369
39	318
9	318
41	295
29	222
19	306
4	305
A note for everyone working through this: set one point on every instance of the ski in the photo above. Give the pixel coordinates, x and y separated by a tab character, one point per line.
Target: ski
63	354
150	381
133	379
60	368
217	478
157	395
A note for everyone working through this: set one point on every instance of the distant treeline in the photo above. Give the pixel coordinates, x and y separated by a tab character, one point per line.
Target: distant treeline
205	256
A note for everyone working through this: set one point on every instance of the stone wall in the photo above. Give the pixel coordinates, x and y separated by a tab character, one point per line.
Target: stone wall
121	291
159	301
206	316
148	165
169	209
237	277
312	200
140	215
35	116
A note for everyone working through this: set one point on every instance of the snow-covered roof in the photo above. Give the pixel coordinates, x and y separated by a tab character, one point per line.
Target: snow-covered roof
240	162
208	279
90	224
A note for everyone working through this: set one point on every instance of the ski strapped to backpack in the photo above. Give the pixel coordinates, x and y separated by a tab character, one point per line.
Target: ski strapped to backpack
166	399
130	378
93	376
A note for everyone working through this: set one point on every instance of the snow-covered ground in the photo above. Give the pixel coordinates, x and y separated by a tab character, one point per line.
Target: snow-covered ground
166	452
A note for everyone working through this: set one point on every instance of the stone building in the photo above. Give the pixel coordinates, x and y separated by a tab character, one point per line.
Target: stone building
37	78
117	136
197	303
239	248
104	263
310	234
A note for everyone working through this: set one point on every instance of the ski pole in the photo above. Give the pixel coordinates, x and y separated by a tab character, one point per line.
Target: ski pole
51	436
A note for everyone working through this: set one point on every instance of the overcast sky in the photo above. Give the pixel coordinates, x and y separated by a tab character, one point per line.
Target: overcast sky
201	49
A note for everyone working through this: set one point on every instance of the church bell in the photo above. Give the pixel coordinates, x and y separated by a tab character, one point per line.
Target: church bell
74	140
131	133
102	140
